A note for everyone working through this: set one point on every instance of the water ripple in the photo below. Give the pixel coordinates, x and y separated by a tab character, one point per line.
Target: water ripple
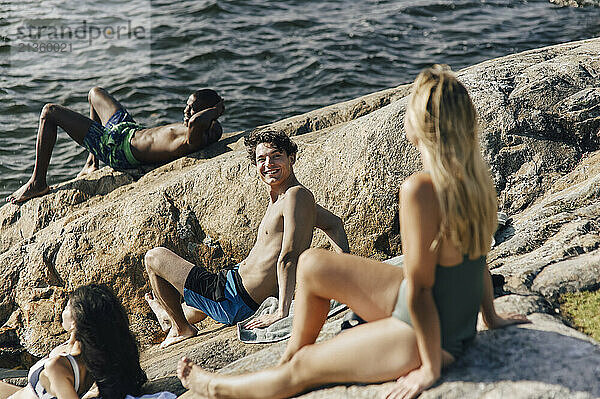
269	60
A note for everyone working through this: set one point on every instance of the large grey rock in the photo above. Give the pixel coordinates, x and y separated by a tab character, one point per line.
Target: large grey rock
544	359
573	275
559	226
213	349
540	133
548	182
207	210
577	3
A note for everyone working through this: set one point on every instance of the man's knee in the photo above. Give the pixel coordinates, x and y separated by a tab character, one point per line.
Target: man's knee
48	111
153	259
94	91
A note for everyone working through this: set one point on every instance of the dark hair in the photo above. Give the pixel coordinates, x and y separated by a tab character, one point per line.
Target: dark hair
108	348
204	99
278	140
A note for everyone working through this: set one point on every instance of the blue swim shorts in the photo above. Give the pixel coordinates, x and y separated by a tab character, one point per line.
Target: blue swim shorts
111	143
221	296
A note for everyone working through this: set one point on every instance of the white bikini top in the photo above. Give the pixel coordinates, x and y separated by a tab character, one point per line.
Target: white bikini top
34	377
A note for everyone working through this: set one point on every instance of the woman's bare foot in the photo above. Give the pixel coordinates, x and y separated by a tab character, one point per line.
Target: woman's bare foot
159	311
175	336
184	368
29	190
193	377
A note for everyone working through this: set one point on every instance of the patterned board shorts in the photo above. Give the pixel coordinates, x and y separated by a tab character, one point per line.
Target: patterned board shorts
111	143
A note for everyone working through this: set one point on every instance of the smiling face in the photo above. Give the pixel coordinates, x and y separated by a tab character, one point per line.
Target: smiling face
274	166
68	322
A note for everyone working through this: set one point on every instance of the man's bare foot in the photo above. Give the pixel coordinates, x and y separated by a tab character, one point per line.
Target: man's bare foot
87	169
193	377
27	191
159	311
174	336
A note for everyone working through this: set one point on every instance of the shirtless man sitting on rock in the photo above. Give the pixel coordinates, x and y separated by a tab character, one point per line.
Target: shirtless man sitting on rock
111	135
269	270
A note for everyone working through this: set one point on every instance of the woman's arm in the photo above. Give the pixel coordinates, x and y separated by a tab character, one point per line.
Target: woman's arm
14	392
58	378
419	223
488	311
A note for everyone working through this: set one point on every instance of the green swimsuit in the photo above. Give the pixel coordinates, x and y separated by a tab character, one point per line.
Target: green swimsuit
457	293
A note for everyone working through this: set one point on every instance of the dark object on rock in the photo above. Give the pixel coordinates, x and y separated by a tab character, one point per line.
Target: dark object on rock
351	320
498	280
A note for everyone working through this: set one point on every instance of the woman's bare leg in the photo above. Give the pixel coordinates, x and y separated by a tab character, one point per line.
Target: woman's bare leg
52	116
6	390
368	287
381	350
378	351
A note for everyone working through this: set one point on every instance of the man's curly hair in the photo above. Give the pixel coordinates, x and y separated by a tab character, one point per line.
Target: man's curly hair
278	140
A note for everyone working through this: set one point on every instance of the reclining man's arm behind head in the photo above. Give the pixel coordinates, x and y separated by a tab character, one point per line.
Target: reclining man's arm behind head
333	227
200	124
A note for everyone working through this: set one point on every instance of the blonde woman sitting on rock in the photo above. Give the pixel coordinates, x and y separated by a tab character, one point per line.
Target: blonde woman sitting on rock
420	317
101	352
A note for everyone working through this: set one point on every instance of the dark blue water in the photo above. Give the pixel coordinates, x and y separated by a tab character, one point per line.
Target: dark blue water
268	59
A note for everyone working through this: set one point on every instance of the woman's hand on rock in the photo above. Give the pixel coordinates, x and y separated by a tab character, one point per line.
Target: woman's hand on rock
412	384
507	319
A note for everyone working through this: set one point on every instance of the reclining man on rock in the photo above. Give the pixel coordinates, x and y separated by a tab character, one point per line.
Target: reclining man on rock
111	135
269	270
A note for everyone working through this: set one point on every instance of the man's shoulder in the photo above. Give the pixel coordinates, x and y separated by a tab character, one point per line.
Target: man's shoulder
299	193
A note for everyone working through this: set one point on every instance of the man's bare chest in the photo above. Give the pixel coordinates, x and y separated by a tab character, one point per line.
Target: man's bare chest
271	226
160	134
